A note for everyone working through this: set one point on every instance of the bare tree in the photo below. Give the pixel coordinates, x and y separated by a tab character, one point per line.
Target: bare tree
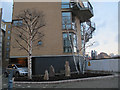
70	39
28	32
87	34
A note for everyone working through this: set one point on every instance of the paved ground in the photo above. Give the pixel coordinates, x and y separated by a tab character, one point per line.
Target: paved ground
97	83
0	77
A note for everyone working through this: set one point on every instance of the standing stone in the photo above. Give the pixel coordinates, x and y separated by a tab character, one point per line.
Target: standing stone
67	69
46	76
51	71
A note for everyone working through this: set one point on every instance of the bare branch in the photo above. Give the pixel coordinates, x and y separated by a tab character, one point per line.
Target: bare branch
21	45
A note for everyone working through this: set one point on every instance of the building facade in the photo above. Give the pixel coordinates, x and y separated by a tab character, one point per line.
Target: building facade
54	48
6	35
0	36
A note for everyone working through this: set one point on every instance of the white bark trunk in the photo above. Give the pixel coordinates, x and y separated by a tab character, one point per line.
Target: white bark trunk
30	63
83	64
78	53
30	55
73	52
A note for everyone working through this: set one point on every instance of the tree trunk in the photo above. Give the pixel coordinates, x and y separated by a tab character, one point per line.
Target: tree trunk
83	64
30	56
29	67
73	52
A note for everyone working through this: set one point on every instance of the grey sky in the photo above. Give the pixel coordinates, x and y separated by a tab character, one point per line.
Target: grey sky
106	34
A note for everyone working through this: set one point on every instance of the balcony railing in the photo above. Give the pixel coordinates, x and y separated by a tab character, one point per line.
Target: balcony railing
93	25
88	28
87	5
3	26
82	9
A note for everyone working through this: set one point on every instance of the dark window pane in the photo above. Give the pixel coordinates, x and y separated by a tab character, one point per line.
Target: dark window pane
39	42
9	26
67	43
8	43
8	37
17	23
66	20
7	49
68	14
66	6
8	31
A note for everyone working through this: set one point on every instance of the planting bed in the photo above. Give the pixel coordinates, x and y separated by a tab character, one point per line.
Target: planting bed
61	77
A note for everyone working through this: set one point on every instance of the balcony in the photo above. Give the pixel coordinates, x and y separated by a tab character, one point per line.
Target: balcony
83	10
3	26
93	26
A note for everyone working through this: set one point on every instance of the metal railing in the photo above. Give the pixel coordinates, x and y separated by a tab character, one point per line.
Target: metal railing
85	5
89	27
93	25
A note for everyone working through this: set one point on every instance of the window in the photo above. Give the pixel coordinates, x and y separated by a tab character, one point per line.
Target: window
7	49
8	37
17	23
67	43
8	43
66	4
8	31
66	20
9	26
39	42
7	55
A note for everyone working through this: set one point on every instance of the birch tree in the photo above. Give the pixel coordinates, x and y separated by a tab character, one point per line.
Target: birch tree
28	33
70	39
87	34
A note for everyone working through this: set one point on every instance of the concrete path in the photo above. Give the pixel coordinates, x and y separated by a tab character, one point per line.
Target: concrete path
111	82
106	82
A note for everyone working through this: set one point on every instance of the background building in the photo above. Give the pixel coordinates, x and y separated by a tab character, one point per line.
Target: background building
0	36
5	29
103	55
54	49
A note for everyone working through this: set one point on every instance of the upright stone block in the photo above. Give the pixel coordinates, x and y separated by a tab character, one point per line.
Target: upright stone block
46	76
51	71
67	69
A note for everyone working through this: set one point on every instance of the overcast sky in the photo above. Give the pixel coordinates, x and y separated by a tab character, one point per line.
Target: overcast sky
105	17
106	34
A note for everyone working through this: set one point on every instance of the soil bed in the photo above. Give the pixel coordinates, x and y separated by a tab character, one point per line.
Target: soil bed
60	77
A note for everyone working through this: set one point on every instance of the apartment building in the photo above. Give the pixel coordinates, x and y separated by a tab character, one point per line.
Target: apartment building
5	42
6	35
54	48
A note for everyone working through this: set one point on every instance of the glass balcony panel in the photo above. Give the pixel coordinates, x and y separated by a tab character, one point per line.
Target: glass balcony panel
85	4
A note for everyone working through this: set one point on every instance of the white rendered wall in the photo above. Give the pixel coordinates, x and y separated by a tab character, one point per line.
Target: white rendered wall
112	65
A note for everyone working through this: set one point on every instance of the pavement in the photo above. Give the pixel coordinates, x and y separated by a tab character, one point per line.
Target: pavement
99	82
